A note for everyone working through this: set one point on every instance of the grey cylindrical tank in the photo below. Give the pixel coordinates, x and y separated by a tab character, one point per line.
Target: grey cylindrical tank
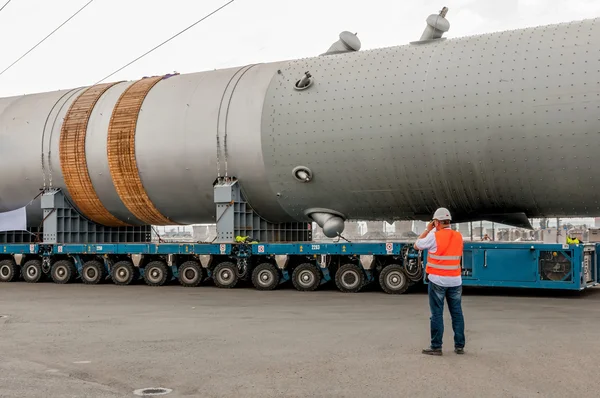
505	122
497	123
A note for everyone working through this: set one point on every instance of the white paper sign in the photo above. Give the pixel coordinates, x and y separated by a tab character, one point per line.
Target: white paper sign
15	220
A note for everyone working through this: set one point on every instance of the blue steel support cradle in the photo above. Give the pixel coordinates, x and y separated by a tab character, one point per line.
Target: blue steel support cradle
235	217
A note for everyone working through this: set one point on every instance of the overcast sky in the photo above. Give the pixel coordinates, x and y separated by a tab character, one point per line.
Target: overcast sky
110	33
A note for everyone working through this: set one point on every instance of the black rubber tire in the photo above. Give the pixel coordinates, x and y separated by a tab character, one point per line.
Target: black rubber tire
265	277
32	271
93	272
156	273
191	274
9	271
225	275
393	279
63	271
350	278
306	277
123	273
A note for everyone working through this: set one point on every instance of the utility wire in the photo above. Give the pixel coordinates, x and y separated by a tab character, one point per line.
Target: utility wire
44	39
5	5
166	41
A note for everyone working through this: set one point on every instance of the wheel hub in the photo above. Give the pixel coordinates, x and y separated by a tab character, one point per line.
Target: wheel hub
350	279
31	271
61	272
122	273
225	275
395	280
91	273
190	274
307	278
5	271
265	277
155	275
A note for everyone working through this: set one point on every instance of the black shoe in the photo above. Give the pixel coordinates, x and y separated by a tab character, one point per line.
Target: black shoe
432	351
459	350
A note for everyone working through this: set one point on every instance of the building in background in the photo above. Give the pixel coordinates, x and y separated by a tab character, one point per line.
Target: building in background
545	230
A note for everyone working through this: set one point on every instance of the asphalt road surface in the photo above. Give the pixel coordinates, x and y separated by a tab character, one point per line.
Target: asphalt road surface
107	341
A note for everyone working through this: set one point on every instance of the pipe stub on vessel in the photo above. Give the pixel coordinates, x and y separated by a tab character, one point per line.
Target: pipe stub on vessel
331	221
302	174
304	82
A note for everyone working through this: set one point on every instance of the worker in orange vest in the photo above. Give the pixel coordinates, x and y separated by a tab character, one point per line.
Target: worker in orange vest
444	251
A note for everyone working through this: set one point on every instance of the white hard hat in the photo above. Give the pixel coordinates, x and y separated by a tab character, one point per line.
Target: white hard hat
442	214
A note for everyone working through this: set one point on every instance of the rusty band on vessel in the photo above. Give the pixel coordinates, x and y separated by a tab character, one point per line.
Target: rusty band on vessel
73	157
121	153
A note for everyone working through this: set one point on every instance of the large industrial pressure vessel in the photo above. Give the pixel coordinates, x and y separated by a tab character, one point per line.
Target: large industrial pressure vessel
486	125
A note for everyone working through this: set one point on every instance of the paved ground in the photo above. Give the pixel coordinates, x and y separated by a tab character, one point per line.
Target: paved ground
206	342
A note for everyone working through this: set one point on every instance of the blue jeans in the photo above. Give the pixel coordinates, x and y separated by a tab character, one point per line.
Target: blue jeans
436	304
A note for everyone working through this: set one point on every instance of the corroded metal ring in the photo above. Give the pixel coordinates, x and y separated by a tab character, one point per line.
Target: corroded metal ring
73	160
121	153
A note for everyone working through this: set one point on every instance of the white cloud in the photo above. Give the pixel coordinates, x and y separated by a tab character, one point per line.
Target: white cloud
466	22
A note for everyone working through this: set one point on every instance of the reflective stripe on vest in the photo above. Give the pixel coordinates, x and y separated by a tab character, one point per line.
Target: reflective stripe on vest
443	266
446	260
433	256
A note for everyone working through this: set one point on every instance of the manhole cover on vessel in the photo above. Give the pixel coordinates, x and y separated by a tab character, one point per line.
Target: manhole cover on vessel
152	392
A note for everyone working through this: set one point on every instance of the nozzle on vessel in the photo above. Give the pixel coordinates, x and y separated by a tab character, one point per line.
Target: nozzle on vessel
437	25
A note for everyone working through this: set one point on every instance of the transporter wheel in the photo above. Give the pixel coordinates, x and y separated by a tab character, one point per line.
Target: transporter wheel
93	272
190	274
350	278
123	273
306	277
9	271
63	271
225	275
265	277
32	271
393	280
156	273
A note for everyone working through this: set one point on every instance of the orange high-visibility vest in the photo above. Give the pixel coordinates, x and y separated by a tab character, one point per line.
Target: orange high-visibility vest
446	260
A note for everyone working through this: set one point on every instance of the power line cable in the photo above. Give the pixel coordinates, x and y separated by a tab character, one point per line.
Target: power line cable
44	39
5	4
168	40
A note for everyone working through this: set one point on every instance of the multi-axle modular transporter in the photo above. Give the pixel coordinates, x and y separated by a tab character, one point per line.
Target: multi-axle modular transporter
392	265
395	266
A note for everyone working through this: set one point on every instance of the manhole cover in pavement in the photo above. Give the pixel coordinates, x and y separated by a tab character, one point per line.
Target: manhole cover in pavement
152	392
